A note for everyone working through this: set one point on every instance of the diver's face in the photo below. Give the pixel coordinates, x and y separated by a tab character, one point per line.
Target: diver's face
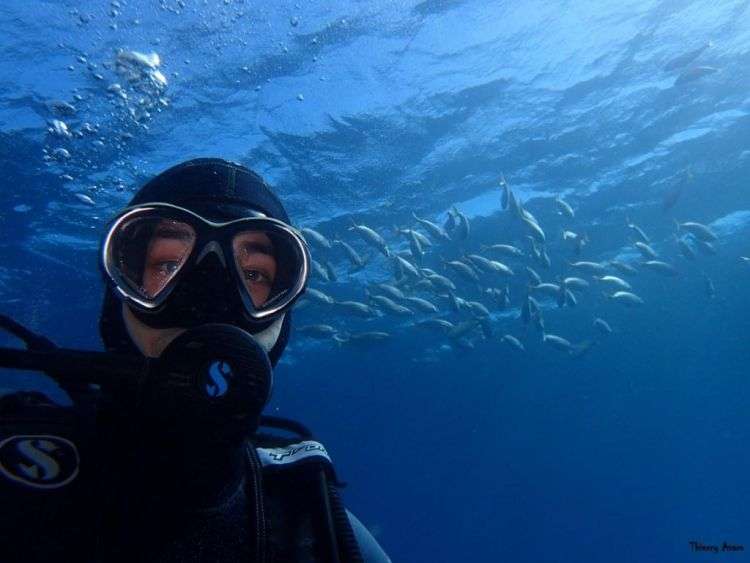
254	257
168	249
173	241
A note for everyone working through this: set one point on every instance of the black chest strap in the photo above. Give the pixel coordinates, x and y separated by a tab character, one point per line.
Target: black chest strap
298	477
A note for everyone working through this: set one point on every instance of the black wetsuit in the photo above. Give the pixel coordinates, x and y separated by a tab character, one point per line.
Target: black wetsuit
88	484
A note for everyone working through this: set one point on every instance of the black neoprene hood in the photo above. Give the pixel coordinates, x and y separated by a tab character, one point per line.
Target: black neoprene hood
216	189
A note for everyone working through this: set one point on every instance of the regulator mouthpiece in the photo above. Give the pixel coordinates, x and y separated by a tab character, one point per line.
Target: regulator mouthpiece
212	381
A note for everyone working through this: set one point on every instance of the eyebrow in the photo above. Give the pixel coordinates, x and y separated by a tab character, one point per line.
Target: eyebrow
173	232
257	247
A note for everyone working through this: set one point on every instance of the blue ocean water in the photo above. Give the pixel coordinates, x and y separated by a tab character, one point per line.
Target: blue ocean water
634	111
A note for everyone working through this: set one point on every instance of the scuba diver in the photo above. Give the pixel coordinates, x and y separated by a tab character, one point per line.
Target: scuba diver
164	454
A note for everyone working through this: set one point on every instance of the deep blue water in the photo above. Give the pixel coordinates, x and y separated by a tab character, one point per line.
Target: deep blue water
372	111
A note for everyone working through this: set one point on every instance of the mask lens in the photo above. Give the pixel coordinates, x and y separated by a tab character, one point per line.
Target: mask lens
148	252
270	265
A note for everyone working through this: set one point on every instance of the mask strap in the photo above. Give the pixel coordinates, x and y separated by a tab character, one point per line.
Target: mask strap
267	338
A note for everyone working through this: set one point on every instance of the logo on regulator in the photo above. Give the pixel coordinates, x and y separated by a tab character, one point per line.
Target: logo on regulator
219	373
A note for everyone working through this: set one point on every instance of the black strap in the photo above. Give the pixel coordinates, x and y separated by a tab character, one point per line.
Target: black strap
32	340
337	539
254	503
286	424
348	546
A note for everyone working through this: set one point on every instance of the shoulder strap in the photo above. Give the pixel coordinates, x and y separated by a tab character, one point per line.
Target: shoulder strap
292	462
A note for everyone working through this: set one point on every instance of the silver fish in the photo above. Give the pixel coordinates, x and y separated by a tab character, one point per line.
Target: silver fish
661	268
637	231
314	236
564	208
319	270
390	290
362	337
330	271
457	303
462	268
514	205
577	284
371	237
357	261
529	310
513	341
318	296
645	250
441	282
435	230
557	342
477	309
615	281
593	268
480	262
533	228
389	305
544	257
405	267
424	242
602	326
500	268
505	200
461	230
416	247
709	286
421	304
626	298
357	308
570	298
440	325
504	249
549	289
698	230
535	278
317	330
538	321
450	222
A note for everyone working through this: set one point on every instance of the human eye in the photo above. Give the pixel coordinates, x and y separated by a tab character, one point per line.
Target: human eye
255	276
167	267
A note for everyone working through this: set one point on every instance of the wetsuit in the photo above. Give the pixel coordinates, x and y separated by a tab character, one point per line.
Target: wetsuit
87	485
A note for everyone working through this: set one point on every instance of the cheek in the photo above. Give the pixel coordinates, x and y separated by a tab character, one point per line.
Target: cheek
260	294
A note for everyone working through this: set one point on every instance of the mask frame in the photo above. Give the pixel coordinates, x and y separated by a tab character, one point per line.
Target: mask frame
210	237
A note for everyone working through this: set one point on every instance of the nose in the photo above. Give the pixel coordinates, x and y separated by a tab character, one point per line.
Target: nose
212	249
